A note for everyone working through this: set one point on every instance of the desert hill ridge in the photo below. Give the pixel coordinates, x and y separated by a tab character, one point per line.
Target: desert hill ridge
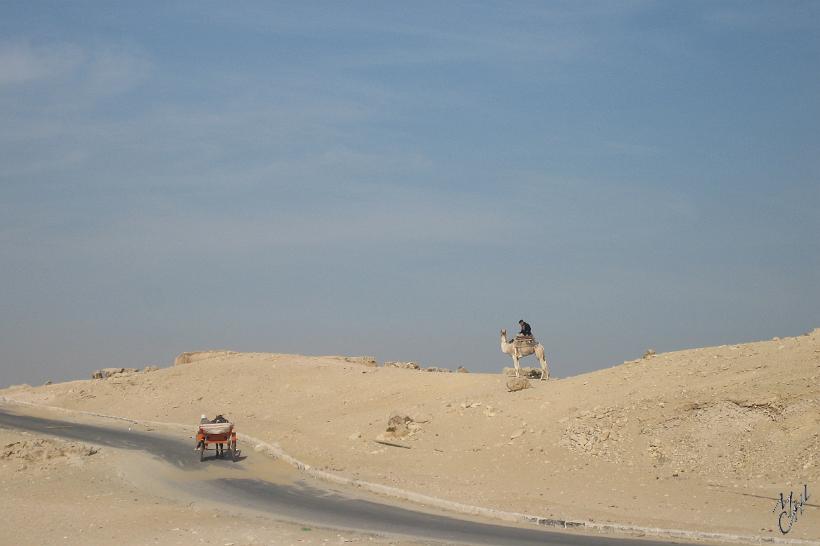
707	437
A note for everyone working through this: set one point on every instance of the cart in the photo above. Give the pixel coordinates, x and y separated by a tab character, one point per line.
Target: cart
218	435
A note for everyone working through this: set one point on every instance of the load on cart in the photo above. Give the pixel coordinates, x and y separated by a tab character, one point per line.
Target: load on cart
218	432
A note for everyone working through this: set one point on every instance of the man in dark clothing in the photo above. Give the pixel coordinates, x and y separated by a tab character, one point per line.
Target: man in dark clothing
525	329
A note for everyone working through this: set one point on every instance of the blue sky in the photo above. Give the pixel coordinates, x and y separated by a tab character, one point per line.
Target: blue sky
404	179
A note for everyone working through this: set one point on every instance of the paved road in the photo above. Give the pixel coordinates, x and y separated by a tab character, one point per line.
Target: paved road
303	502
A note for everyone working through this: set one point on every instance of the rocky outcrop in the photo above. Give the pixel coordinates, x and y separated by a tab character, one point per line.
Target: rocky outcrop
105	373
369	361
403	365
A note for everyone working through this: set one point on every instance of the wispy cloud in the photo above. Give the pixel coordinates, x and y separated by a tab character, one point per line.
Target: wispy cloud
23	63
72	73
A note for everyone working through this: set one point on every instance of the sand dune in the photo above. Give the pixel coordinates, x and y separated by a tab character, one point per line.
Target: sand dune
703	438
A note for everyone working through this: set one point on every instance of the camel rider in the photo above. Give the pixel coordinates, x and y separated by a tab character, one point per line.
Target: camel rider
525	329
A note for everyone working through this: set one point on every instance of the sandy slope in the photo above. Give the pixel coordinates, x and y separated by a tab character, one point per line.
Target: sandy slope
703	438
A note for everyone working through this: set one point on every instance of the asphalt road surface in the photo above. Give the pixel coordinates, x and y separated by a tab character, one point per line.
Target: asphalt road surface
305	501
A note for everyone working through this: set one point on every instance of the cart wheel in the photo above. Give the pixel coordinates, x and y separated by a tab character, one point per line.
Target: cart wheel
202	452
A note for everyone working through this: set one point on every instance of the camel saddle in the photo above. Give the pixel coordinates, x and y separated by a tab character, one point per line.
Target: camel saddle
524	341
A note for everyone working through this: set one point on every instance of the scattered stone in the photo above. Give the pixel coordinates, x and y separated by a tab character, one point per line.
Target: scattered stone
439	370
462	369
531	373
149	369
369	361
403	365
518	384
649	353
105	373
517	433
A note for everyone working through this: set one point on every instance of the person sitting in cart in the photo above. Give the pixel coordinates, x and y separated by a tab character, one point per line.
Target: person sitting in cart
203	419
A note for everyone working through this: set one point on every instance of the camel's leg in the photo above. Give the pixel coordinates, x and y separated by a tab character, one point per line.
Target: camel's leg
517	365
545	367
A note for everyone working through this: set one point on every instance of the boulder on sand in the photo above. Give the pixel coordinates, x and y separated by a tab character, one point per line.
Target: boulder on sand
518	384
400	425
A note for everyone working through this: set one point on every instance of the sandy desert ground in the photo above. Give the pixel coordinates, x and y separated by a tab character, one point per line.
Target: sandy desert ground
701	439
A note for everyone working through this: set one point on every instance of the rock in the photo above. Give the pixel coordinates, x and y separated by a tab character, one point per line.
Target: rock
397	425
518	384
105	373
649	353
517	433
435	369
149	369
403	365
355	436
462	369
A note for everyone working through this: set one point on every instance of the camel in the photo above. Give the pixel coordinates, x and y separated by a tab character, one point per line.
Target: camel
517	352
